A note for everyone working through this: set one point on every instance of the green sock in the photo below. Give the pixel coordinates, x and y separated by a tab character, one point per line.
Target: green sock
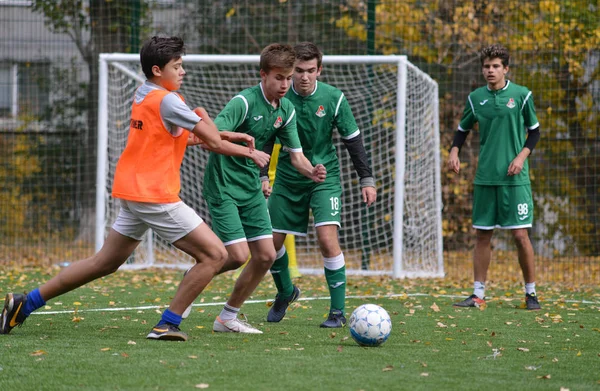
336	280
281	275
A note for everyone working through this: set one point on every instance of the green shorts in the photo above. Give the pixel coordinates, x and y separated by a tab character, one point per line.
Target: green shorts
233	222
508	207
289	206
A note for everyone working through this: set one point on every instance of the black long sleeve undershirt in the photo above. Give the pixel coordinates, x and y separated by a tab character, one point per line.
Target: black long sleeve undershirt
359	158
459	139
533	136
358	155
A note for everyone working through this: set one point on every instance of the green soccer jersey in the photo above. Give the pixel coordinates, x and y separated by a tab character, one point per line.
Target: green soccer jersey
237	178
317	115
504	117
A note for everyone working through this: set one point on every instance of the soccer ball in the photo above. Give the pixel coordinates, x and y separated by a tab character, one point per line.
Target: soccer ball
370	325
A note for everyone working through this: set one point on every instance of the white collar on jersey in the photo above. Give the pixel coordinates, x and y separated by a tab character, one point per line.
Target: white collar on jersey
312	93
265	97
501	89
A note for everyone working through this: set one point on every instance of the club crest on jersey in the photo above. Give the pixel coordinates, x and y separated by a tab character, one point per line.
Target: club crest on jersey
320	112
511	103
278	123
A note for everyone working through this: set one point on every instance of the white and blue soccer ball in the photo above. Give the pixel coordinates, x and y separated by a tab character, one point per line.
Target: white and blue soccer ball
370	325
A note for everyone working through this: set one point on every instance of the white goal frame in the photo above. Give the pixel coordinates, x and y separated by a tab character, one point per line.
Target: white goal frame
397	271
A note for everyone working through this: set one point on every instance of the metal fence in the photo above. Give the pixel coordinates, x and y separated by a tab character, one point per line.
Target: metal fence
48	89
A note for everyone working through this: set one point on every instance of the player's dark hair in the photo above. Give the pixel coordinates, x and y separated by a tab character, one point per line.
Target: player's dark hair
159	51
306	51
277	55
495	51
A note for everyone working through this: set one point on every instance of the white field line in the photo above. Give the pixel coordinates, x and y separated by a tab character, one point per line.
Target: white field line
378	297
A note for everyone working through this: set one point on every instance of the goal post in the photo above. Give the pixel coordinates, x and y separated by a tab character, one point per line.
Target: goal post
396	108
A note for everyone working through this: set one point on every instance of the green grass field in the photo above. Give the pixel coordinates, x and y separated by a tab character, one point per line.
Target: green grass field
432	346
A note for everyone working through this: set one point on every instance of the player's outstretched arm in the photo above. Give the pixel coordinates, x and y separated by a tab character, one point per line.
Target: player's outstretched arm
260	158
236	137
304	167
205	131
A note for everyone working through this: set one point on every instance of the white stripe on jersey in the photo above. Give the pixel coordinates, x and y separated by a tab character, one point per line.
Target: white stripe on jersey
245	102
350	137
338	105
291	116
525	100
471	103
537	124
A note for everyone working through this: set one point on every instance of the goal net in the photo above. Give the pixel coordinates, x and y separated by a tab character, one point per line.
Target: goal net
396	108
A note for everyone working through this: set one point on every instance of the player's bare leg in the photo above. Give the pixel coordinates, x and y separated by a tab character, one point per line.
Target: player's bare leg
278	239
263	255
527	263
328	240
481	262
209	253
525	251
237	256
482	254
115	251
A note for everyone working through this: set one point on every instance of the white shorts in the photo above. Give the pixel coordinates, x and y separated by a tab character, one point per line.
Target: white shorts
170	221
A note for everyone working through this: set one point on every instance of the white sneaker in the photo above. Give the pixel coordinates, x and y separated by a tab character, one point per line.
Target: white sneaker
234	326
187	311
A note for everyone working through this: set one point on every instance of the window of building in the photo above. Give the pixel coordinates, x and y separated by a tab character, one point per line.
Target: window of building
24	89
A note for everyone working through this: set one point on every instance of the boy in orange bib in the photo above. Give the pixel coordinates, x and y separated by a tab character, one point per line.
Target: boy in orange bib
147	183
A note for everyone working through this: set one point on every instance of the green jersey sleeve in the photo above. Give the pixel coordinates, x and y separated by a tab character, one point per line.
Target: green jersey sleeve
233	114
288	134
468	119
344	119
529	116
